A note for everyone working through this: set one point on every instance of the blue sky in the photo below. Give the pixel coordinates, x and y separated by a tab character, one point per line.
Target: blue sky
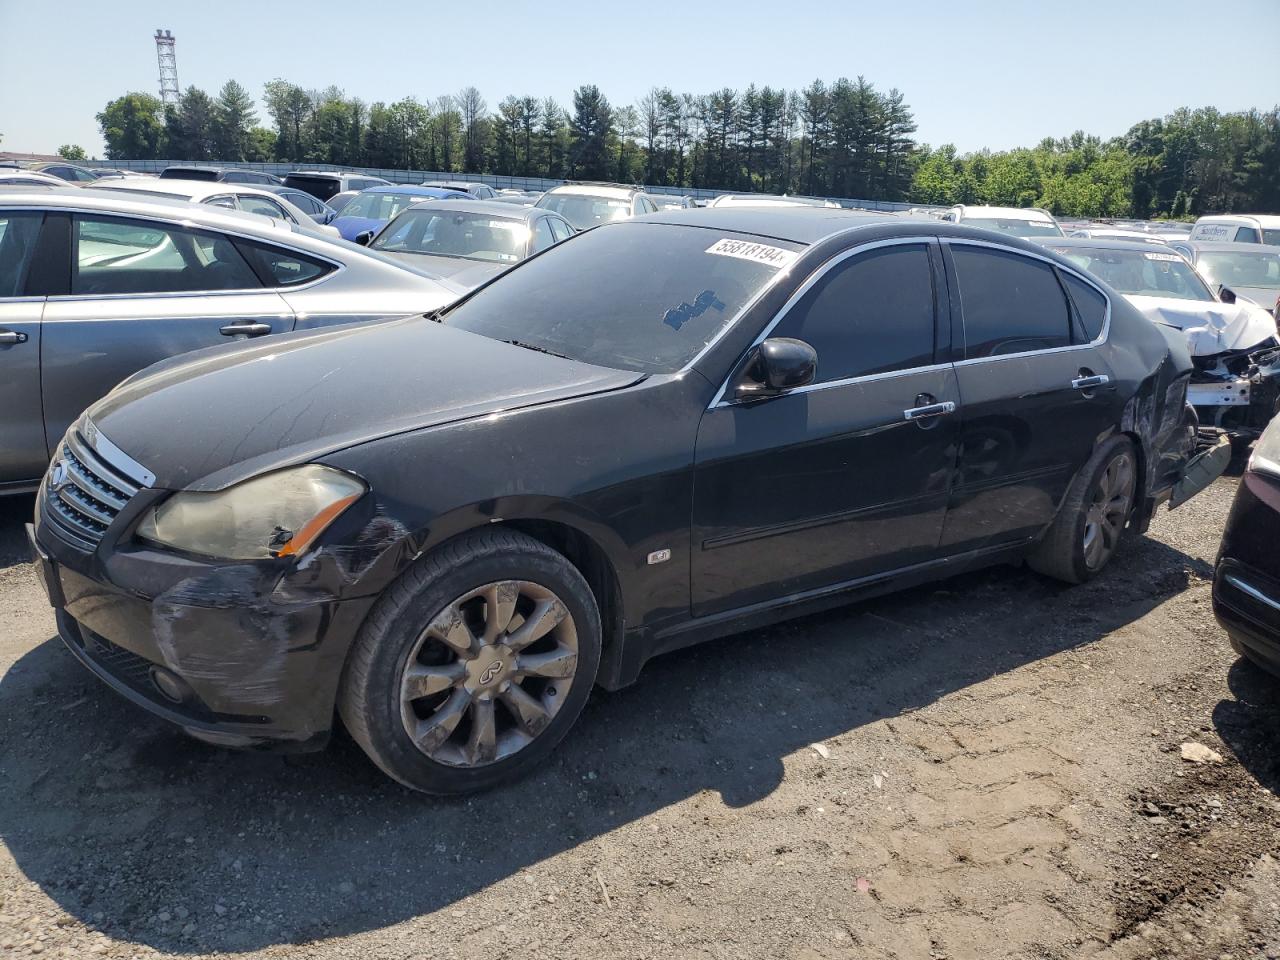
995	73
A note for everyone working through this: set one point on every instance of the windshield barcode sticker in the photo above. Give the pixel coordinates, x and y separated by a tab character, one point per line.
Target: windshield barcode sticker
757	252
1170	257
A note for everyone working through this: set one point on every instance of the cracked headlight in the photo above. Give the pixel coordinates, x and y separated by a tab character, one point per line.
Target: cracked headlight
275	515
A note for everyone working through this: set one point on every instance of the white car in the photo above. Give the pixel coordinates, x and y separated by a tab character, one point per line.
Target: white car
1238	228
1248	270
232	196
1236	384
1018	221
587	205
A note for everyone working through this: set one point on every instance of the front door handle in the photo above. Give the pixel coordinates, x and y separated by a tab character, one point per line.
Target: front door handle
245	329
1088	383
8	337
930	410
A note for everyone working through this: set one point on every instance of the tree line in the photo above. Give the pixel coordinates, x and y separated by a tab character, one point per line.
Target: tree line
843	139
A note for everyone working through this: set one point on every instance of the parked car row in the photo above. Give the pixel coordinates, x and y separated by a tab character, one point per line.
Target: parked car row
637	430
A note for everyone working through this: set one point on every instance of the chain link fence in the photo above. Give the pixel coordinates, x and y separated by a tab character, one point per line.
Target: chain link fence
496	181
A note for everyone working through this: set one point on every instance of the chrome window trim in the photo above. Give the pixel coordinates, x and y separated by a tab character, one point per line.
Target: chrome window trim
818	273
338	267
1030	255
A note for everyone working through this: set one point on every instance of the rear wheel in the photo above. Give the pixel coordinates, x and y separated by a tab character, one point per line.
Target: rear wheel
1087	530
473	666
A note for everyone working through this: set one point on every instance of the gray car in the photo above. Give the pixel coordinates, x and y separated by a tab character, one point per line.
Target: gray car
469	241
1249	270
96	285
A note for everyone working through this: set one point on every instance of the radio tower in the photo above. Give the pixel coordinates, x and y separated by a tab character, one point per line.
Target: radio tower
168	61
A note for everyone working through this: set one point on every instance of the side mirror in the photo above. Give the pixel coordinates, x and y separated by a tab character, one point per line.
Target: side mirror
364	238
778	365
1226	294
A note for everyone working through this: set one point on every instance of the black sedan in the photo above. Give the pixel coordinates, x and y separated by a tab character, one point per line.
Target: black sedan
661	431
1246	583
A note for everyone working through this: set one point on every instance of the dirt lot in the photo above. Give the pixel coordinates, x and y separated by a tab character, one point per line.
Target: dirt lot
999	774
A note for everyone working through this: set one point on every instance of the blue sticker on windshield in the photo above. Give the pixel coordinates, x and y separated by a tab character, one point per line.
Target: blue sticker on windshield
677	317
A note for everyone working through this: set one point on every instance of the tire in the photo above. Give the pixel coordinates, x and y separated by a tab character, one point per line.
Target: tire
438	691
1064	553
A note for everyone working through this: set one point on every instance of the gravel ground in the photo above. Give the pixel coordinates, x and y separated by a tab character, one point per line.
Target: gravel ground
990	767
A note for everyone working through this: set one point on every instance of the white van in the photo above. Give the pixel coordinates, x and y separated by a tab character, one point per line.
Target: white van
1239	228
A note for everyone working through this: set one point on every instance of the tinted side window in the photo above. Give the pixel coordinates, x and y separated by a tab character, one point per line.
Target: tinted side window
1091	308
135	256
283	268
268	208
233	176
1246	235
542	237
560	229
18	233
304	202
871	314
1011	303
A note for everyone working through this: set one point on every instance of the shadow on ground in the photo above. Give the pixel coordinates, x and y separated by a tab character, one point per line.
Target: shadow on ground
121	820
1250	724
14	512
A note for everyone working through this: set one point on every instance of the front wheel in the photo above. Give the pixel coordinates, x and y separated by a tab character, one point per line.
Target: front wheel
1083	537
473	665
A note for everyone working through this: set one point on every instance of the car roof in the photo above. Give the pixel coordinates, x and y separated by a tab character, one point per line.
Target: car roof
195	166
613	191
124	203
1105	243
193	190
453	183
1226	246
1270	220
495	208
1011	213
795	224
434	193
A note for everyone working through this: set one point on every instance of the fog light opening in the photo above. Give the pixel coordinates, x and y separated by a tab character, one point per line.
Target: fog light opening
171	687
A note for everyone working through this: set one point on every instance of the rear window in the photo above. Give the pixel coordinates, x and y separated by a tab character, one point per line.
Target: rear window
187	173
584	211
320	187
634	296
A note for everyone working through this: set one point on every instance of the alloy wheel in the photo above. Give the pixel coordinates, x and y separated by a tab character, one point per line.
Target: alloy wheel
1108	510
488	673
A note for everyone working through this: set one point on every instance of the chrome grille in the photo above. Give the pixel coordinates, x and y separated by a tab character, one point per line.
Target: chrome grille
83	493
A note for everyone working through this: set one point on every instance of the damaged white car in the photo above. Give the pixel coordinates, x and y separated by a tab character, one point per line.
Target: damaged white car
1233	342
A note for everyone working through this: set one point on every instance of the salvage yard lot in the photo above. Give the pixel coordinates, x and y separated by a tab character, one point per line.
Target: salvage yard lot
1000	775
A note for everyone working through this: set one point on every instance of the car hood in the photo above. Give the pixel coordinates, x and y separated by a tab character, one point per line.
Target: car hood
1211	328
352	227
459	270
226	413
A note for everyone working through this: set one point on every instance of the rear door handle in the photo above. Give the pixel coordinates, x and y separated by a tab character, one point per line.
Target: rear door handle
245	329
931	410
12	336
1088	383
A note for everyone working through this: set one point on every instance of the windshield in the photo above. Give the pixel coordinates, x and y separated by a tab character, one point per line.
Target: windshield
1140	273
637	296
1019	228
585	212
321	187
380	206
1233	270
445	233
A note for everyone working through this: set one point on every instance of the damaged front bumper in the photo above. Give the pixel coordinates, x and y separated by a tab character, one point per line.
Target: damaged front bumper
1237	393
224	650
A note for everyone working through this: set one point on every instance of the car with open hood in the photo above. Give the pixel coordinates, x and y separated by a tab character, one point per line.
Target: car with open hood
1236	385
469	241
449	529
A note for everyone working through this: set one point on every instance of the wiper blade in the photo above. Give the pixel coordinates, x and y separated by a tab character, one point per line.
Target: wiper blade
536	349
